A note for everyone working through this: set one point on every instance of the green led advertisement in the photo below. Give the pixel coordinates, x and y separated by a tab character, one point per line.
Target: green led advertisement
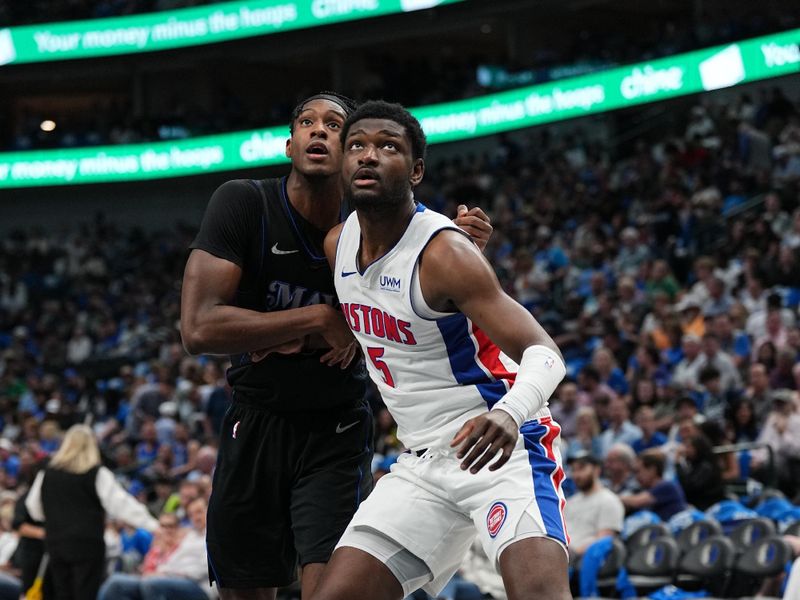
702	70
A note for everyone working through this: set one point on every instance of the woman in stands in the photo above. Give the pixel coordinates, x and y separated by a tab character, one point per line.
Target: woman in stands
72	496
699	473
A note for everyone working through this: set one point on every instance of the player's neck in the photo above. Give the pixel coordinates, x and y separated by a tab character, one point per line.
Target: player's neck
381	231
319	200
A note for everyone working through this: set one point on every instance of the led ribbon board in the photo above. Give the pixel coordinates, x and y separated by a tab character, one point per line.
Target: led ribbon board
693	72
186	27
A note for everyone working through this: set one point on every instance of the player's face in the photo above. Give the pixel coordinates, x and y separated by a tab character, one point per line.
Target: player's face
315	148
377	167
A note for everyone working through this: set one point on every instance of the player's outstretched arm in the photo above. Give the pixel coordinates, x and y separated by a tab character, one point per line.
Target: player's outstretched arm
210	325
455	276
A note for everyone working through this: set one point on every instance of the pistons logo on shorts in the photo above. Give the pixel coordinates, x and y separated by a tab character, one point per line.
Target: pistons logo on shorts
495	518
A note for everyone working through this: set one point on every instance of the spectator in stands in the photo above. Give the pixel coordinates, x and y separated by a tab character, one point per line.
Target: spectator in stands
30	547
767	355
690	312
781	433
717	435
778	219
662	280
646	366
630	299
703	273
147	448
782	375
205	464
618	469
655	322
651	437
687	370
713	356
743	422
734	343
591	387
161	490
587	433
565	408
713	400
595	511
644	393
719	302
632	254
216	396
72	497
780	319
759	391
665	498
165	541
620	429
784	272
610	374
753	296
687	419
699	473
673	353
182	575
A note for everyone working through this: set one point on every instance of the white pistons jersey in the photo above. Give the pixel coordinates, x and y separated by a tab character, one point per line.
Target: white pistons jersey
434	370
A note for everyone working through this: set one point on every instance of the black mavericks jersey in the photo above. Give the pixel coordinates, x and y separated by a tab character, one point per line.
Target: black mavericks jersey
253	224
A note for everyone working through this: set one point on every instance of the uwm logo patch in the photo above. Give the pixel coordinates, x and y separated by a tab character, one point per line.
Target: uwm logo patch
389	283
495	518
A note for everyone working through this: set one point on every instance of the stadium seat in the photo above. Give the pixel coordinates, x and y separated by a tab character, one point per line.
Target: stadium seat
644	535
751	531
793	529
707	565
653	565
696	533
768	494
765	558
607	577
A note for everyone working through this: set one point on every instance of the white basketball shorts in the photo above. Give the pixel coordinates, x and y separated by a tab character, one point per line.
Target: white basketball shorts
433	509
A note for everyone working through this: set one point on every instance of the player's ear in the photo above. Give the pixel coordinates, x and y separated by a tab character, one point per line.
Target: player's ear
417	172
289	148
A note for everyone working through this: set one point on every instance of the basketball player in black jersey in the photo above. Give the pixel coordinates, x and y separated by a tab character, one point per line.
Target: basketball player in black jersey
296	444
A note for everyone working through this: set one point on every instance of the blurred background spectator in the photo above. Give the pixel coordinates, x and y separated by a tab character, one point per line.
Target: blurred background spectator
72	496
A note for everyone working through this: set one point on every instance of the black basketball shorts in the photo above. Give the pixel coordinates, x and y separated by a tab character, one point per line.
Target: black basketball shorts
285	488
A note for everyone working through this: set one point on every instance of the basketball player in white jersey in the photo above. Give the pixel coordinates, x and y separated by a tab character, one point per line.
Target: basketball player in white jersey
444	344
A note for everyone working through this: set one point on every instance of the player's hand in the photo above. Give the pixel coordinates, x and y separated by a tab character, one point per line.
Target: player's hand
342	356
335	330
290	347
482	437
336	333
476	223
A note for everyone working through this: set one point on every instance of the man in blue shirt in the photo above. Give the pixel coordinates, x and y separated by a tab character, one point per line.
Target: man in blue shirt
651	437
665	498
620	429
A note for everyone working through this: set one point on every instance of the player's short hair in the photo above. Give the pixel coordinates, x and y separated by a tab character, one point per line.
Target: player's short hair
347	104
379	109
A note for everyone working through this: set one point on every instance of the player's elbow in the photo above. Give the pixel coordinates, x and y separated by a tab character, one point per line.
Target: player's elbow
194	339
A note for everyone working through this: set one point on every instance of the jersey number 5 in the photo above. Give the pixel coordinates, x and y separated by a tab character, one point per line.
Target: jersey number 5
375	355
